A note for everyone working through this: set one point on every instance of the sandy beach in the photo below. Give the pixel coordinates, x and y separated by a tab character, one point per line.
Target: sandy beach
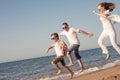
106	74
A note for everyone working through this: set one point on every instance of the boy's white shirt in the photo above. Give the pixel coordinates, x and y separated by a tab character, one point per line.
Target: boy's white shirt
58	49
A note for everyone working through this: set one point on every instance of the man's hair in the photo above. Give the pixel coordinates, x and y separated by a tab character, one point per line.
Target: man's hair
65	23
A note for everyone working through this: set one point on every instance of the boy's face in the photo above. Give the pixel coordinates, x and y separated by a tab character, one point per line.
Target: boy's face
54	38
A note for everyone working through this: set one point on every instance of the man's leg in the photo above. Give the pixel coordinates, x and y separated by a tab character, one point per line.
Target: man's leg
70	59
71	48
80	64
78	57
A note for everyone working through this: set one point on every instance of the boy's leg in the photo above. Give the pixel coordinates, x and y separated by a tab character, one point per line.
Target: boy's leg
54	63
72	73
63	64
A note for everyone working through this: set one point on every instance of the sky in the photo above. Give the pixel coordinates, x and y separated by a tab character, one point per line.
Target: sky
26	25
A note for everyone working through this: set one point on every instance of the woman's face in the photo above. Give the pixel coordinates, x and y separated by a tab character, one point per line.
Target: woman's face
101	9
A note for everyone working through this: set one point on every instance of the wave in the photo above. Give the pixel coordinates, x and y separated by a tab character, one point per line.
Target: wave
87	71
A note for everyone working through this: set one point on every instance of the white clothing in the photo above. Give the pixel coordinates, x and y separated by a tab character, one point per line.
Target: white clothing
107	24
58	49
108	31
104	35
115	18
71	35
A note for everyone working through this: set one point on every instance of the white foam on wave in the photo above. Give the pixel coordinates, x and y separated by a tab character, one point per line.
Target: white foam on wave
89	70
60	77
112	64
117	62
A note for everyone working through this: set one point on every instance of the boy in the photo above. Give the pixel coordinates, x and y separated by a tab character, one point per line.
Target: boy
61	50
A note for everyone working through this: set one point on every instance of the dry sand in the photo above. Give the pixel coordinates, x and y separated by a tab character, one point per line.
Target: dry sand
106	74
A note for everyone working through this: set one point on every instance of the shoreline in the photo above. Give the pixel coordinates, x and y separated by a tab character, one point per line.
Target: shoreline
112	73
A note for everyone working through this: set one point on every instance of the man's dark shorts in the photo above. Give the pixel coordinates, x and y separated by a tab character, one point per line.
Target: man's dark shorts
75	48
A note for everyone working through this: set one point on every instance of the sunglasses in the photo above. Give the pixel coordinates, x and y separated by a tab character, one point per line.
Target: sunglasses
53	38
64	27
98	9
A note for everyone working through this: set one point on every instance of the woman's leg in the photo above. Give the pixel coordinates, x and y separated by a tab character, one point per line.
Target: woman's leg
113	40
101	40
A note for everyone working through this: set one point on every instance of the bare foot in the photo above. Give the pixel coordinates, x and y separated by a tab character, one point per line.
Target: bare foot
72	75
70	64
119	53
107	56
59	72
81	70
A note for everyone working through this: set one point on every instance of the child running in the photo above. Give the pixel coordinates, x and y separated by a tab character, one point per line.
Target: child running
61	50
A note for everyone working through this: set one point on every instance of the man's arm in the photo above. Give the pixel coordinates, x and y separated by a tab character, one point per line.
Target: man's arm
85	33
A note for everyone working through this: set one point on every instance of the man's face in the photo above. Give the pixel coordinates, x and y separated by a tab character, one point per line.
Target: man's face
65	27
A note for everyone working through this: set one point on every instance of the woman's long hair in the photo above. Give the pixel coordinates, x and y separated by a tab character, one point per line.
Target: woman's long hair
107	5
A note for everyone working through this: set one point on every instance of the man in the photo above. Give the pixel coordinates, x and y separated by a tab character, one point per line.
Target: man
71	34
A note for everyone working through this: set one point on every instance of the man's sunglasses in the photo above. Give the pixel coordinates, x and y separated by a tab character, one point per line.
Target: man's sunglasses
64	27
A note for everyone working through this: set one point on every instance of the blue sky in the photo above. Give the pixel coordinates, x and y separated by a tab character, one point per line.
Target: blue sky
26	25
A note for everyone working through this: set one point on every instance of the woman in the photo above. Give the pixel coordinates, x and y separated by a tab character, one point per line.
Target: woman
108	29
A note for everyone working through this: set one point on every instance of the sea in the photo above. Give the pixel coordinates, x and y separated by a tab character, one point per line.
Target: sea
42	69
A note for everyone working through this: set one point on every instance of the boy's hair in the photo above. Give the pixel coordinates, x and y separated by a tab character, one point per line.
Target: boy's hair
55	34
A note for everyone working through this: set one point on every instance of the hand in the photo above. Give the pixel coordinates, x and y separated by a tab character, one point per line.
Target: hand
94	12
90	35
46	51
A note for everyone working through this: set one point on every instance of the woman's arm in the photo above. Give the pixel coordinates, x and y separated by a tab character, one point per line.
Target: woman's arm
101	14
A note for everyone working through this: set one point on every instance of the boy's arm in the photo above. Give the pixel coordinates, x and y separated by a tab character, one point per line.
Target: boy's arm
87	34
49	49
63	45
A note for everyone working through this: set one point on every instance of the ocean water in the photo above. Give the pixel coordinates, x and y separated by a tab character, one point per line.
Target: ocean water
42	69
